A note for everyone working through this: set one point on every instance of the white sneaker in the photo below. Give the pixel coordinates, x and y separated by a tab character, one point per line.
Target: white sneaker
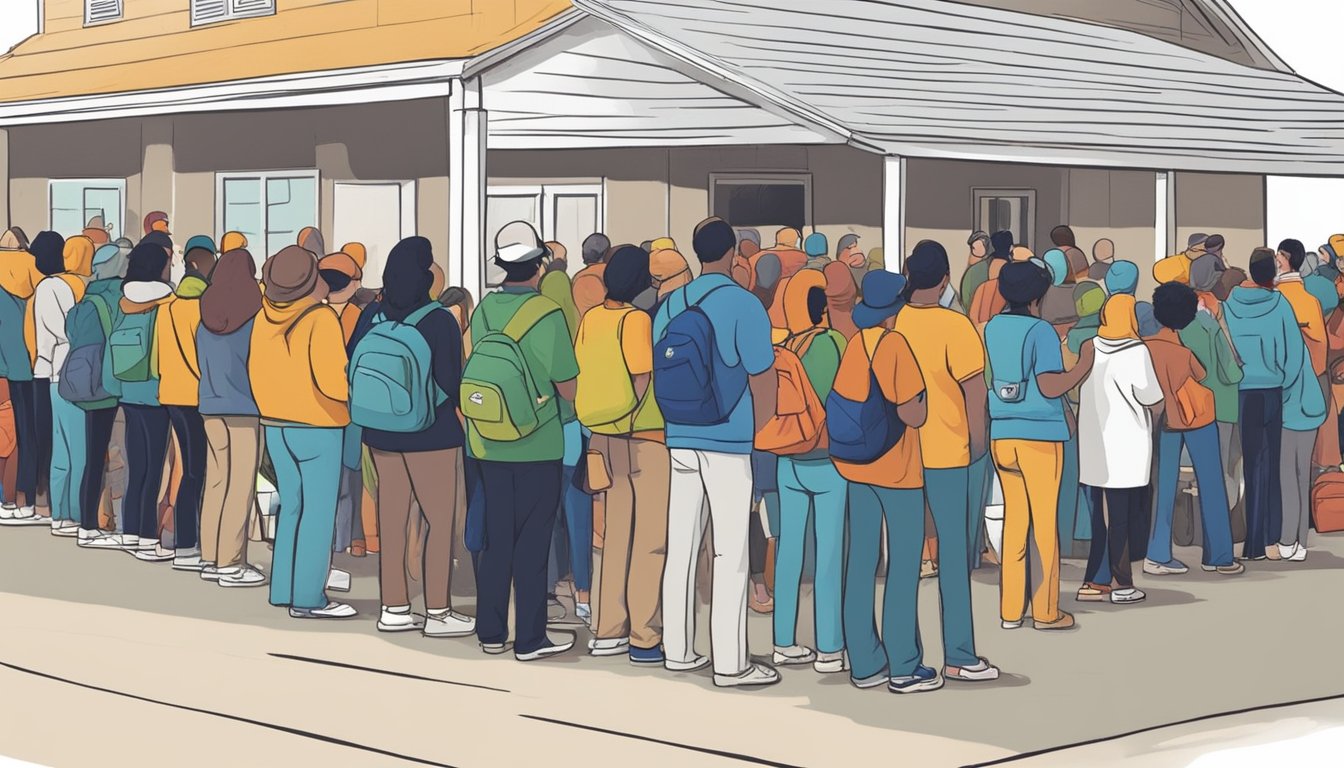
1011	624
551	648
697	663
980	672
213	572
150	551
756	674
584	612
613	646
496	649
786	655
99	540
242	577
64	528
1287	552
448	624
8	511
1299	554
332	610
25	516
1123	596
830	663
391	620
188	560
338	580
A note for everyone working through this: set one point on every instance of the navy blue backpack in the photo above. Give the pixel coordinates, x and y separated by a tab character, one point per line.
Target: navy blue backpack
691	382
862	431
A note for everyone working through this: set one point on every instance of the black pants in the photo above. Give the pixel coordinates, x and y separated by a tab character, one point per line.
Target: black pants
25	434
146	451
520	504
97	438
45	431
1112	530
190	430
1261	443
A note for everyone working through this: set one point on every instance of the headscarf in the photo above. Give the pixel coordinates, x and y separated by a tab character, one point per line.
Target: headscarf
877	258
841	295
78	256
1337	245
796	315
234	296
1122	277
406	278
1118	319
1059	266
669	269
557	287
1088	299
48	251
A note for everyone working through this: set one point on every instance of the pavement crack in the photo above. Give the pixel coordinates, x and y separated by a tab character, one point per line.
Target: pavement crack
388	672
689	747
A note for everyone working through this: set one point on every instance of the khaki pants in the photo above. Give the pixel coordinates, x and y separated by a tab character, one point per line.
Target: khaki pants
233	453
1030	472
634	540
430	479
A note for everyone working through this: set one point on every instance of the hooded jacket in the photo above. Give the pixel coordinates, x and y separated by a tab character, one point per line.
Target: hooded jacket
1115	427
18	278
1205	338
824	348
138	298
53	298
1265	335
175	334
297	365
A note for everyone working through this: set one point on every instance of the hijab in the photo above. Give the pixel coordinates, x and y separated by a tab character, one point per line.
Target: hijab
796	315
233	296
669	269
78	256
1118	319
841	294
1058	263
406	278
48	253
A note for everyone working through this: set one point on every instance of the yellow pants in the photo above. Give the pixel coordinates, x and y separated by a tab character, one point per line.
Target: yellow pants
1030	473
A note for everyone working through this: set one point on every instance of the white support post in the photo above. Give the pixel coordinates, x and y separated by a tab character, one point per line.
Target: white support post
893	212
1164	215
467	142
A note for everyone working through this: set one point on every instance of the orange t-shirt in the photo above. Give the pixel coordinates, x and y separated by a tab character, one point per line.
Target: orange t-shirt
898	375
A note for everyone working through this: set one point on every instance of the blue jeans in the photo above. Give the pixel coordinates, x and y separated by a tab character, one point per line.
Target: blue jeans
945	490
578	507
68	453
307	464
1261	445
811	489
1202	444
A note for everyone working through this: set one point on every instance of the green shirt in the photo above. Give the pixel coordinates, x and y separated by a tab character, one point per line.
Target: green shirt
1205	338
822	363
549	354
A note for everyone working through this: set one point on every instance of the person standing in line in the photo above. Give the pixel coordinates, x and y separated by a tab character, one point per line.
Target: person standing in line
710	434
953	445
48	250
629	445
589	290
18	277
518	446
1103	256
297	367
977	266
342	276
1267	339
231	421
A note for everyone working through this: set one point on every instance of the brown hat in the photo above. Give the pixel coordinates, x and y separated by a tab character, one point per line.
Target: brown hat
290	275
343	263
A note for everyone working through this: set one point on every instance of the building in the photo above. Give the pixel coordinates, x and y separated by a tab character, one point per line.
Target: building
897	121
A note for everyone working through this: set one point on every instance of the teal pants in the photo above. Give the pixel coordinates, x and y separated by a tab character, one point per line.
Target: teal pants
811	490
945	490
307	464
897	649
68	456
977	496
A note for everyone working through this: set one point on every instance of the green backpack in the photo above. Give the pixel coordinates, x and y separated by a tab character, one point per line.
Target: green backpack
131	347
499	395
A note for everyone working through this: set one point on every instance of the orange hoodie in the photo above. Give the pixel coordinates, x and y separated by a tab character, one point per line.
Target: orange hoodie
1309	320
297	364
175	335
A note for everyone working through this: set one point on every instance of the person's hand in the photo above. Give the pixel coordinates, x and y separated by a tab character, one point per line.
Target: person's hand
1087	355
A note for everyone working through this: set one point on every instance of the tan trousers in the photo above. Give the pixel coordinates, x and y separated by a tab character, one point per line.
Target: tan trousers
429	479
634	542
233	454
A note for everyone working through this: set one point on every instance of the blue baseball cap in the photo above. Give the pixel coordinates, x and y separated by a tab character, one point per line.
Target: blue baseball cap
204	242
882	298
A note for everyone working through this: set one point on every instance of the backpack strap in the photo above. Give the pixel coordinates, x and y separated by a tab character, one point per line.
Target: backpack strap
303	314
104	313
415	317
528	315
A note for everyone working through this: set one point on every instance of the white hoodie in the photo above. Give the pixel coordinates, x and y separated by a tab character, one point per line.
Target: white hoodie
1115	429
52	301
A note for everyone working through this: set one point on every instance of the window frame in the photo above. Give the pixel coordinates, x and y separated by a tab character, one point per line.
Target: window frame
547	195
231	13
118	184
978	194
263	177
764	178
91	22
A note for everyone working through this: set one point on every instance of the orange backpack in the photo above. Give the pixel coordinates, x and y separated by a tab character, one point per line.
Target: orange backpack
799	423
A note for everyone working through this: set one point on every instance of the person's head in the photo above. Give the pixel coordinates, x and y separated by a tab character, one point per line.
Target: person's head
1264	267
798	302
1063	237
750	238
1175	305
147	263
1088	299
407	278
1122	278
669	269
1002	243
662	244
342	276
979	245
558	254
847	251
1290	255
647	245
1058	264
1327	255
815	246
627	274
310	239
788	237
77	254
291	275
1022	253
927	269
519	252
156	221
199	255
1103	251
458	301
876	259
883	297
595	248
233	296
714	240
109	261
1205	272
1023	284
1215	245
48	252
1195	245
232	241
161	240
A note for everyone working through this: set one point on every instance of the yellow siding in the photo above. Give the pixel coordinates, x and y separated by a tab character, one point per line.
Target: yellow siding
154	46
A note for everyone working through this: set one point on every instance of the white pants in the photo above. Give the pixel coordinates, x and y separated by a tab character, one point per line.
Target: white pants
708	486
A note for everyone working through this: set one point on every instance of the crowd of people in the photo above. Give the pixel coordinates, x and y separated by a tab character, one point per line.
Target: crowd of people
777	409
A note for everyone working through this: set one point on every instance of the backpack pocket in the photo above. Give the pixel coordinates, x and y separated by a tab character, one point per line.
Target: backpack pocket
130	351
82	375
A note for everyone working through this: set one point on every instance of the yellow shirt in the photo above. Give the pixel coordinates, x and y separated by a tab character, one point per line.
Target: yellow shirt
615	339
179	370
948	351
899	377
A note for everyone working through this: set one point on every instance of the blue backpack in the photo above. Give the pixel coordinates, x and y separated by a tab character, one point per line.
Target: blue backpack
87	328
691	382
392	387
862	431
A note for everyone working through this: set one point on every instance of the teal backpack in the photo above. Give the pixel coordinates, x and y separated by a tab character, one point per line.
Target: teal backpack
392	387
499	395
131	347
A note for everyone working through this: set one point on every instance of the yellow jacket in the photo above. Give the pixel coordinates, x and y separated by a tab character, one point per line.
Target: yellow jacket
297	364
175	335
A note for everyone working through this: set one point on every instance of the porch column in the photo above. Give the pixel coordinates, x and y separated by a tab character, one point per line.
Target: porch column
1164	216
893	211
467	139
157	190
4	178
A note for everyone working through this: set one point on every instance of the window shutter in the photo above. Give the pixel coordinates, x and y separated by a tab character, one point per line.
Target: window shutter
204	11
253	7
98	11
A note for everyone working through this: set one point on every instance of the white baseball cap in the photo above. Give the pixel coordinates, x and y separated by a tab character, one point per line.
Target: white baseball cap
517	242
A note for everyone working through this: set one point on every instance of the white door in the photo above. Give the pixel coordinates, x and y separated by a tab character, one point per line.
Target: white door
563	213
377	214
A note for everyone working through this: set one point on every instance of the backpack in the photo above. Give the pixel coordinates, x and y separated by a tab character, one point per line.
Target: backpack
798	425
392	387
131	347
499	394
862	431
605	397
88	327
1327	503
691	382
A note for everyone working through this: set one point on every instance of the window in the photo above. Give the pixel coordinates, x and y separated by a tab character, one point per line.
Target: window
377	214
100	11
209	11
75	204
270	208
1007	209
564	213
768	201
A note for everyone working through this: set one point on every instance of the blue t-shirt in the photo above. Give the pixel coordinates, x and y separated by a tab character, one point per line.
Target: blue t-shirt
1014	342
742	334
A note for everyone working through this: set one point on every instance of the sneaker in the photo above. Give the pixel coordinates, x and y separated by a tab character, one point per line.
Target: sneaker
1232	569
1094	593
787	655
646	656
398	619
1124	596
698	663
24	516
188	560
496	649
584	612
247	576
614	646
979	673
332	610
338	580
551	648
1172	567
212	572
150	552
924	679
448	624
871	681
554	610
830	663
754	675
928	569
1299	554
8	511
1286	551
1011	624
64	528
1065	621
99	540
